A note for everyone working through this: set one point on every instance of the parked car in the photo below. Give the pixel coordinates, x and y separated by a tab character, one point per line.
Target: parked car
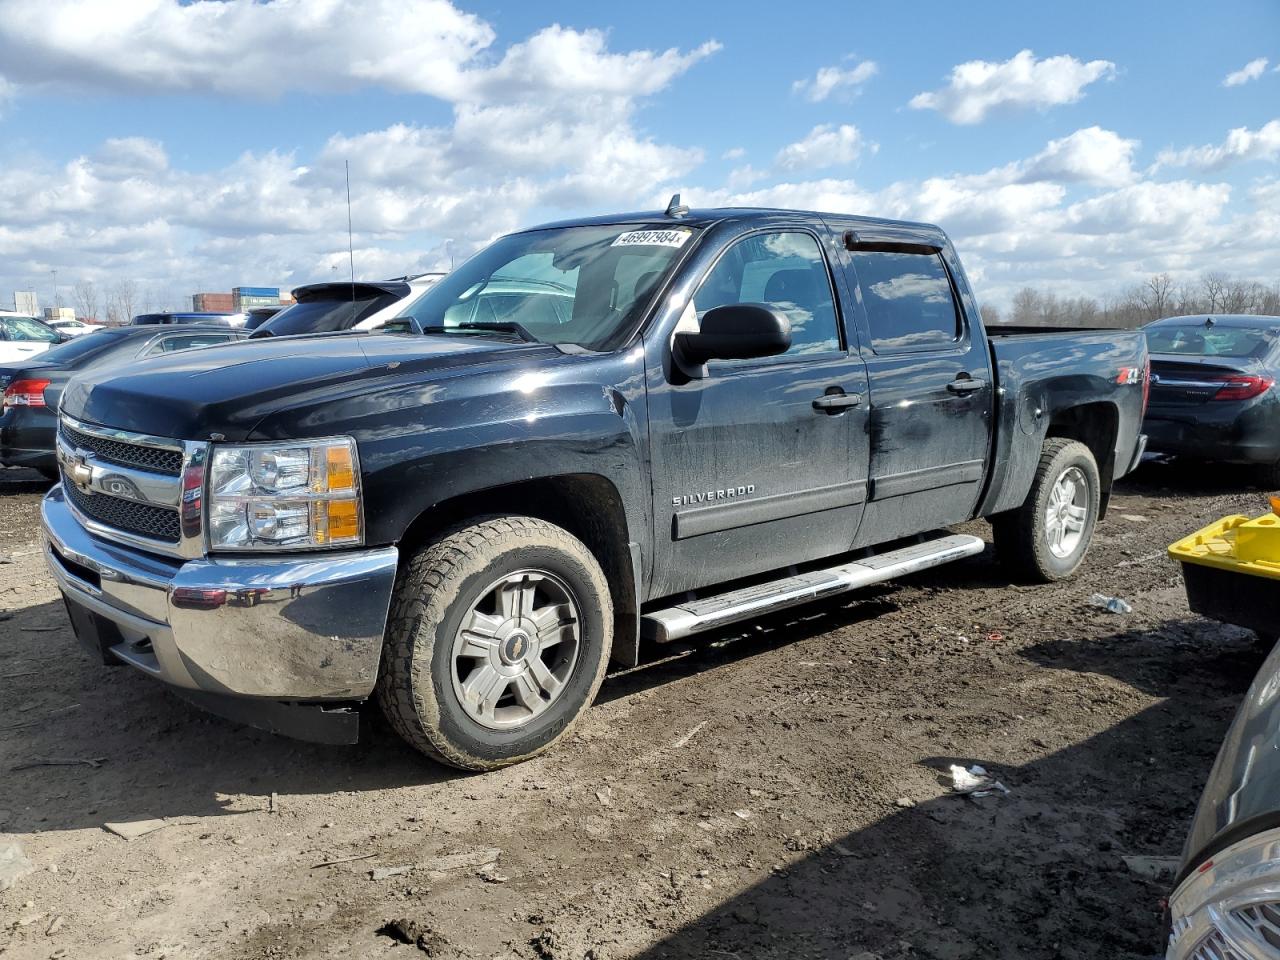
1226	898
257	316
151	319
363	305
29	422
23	337
1213	390
681	421
72	328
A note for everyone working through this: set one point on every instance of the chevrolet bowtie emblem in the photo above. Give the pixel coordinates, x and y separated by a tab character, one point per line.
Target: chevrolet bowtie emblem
79	472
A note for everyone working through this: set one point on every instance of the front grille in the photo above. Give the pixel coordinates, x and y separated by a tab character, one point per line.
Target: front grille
1215	947
1263	919
151	459
142	519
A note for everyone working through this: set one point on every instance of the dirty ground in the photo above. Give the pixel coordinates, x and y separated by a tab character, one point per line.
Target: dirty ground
778	791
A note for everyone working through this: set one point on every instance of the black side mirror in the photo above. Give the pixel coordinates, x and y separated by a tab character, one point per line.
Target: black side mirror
736	331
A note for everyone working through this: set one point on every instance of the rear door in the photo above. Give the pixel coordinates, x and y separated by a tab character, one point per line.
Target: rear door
930	384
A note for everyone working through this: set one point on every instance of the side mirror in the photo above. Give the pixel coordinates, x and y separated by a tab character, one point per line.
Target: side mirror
737	331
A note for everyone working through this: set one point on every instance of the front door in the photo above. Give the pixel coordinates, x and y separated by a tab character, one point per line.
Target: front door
931	394
749	473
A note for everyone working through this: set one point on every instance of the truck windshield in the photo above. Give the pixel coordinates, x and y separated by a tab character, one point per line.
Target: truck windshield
1197	340
570	285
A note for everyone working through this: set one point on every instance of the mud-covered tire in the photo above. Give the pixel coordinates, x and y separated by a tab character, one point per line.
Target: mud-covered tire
438	589
1024	537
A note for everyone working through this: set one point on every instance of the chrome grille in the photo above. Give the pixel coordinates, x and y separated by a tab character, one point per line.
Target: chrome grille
138	456
1215	947
1263	919
141	519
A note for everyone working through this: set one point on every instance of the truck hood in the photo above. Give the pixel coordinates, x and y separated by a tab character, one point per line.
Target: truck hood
229	388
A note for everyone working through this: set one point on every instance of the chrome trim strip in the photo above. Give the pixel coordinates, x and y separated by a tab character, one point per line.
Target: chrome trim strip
123	436
698	616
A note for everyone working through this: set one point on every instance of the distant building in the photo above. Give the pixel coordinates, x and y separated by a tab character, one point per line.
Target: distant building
213	303
24	301
59	313
245	298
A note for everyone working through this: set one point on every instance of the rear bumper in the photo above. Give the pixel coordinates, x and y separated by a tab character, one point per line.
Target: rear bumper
27	438
297	628
1252	436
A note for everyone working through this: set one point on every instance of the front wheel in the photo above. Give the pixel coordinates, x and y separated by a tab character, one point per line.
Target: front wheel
497	641
1046	539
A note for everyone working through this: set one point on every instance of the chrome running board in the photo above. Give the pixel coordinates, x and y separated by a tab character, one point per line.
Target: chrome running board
696	616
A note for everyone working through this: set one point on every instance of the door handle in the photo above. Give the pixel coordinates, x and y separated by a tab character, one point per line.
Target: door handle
965	385
837	402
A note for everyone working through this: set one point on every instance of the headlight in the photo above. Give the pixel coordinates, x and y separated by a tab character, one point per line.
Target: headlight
285	496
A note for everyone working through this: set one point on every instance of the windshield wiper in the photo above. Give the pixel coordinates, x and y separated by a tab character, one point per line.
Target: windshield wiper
496	326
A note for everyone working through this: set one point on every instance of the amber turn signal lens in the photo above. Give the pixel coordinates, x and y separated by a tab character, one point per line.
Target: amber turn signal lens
339	469
344	520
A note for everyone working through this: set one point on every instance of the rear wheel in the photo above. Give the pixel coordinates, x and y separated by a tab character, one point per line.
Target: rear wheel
498	640
1047	537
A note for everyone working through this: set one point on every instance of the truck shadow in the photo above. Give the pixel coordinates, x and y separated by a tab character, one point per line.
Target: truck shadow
1188	479
1035	874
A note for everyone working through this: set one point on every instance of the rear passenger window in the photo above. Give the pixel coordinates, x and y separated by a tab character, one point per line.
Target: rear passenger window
786	271
908	300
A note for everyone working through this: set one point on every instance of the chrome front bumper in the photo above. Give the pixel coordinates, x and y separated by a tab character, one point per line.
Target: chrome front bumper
304	627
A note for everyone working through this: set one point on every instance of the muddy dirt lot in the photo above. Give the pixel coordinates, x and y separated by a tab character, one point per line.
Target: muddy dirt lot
775	792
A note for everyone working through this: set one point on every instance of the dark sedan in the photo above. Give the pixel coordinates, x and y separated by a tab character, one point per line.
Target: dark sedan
33	387
1213	390
1226	902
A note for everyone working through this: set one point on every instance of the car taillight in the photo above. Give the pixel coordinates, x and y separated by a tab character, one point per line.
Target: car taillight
25	393
1146	384
1245	386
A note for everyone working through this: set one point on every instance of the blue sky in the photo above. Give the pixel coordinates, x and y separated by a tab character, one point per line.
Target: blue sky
201	145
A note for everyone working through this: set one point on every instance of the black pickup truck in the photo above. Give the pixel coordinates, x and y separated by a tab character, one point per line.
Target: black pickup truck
591	433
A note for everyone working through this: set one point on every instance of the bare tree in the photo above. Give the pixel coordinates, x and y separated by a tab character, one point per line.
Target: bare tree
124	296
1156	294
1026	306
1214	287
86	298
990	315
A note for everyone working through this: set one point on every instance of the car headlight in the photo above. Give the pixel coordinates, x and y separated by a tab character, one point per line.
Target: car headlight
285	496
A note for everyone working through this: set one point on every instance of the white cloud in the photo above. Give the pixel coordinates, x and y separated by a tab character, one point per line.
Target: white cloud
1250	71
1240	144
427	47
1090	155
978	87
840	81
239	47
547	127
826	145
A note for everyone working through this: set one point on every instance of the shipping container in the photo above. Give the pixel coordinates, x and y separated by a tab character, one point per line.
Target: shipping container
273	292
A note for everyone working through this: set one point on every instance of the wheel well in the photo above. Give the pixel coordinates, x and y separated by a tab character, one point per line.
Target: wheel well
587	505
1095	425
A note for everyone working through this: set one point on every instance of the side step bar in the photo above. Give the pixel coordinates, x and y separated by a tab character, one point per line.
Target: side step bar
708	613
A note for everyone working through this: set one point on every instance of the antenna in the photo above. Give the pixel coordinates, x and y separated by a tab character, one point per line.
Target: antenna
675	208
351	252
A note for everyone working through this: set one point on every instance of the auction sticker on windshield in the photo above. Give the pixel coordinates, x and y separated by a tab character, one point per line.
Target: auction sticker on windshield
653	238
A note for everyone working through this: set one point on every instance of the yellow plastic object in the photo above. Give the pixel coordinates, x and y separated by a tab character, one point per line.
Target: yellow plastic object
1237	544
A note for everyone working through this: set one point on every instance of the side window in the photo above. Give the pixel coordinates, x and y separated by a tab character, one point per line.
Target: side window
786	271
908	300
174	344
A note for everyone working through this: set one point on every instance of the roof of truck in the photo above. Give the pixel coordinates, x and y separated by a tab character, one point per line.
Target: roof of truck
706	217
